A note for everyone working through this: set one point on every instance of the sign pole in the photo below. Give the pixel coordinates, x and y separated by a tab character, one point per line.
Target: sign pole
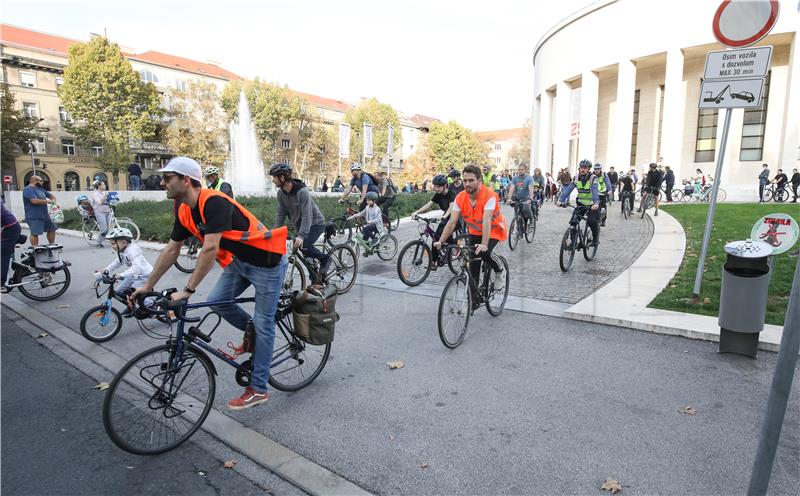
778	394
698	278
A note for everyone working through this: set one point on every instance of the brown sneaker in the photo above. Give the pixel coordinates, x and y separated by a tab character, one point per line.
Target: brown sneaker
248	399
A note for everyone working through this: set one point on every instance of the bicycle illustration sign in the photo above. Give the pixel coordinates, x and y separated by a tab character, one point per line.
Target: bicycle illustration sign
780	231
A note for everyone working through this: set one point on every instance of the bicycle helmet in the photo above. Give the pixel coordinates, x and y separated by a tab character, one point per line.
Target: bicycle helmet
280	170
355	166
81	198
119	233
371	195
211	170
440	180
653	165
455	173
585	163
598	166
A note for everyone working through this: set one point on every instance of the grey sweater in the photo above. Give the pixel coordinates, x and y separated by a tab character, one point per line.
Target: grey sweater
300	207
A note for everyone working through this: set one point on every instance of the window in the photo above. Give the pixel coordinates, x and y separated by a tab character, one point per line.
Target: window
68	146
498	147
30	109
148	76
59	82
39	145
497	160
285	144
97	150
180	85
755	120
72	181
63	115
635	131
706	142
27	79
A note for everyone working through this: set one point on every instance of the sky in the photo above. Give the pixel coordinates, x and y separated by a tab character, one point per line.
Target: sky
464	60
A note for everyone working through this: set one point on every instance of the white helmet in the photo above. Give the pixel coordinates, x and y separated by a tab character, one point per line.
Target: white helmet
211	170
119	232
355	166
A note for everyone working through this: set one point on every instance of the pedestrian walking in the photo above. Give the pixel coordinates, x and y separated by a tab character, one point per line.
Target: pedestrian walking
613	178
763	180
35	199
669	179
795	184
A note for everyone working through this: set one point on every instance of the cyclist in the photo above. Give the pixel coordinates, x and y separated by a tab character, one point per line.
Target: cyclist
626	185
361	182
214	181
603	186
373	217
444	198
294	200
249	253
652	183
588	197
487	177
129	254
387	192
456	184
521	191
480	208
538	185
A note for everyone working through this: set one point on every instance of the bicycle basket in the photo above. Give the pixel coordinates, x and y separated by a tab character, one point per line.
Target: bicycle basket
314	315
48	257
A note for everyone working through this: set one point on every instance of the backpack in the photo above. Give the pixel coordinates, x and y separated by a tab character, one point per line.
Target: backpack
372	178
391	188
314	314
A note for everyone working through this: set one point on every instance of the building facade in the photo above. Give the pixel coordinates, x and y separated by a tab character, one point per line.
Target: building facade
618	82
505	146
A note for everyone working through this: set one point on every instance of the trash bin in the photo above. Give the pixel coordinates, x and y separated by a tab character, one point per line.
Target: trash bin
743	297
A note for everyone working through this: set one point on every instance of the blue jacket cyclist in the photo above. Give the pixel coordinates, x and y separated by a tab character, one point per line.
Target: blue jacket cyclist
588	197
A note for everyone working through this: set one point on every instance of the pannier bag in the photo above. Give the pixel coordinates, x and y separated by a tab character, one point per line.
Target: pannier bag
314	315
48	256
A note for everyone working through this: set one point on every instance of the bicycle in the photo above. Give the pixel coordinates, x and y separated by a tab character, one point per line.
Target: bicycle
102	322
649	201
341	273
91	229
415	261
626	198
576	238
344	227
462	295
40	274
778	195
187	259
704	194
519	228
160	397
385	248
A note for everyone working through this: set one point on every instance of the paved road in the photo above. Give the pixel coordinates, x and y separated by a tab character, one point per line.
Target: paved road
534	267
527	404
53	439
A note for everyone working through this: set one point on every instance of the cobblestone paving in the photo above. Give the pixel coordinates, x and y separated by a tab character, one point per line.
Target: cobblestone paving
534	267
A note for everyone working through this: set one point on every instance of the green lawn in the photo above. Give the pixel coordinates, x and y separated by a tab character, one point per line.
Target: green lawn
732	222
155	219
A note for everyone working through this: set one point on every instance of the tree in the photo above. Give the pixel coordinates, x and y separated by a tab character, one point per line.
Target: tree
198	124
521	150
381	116
109	102
452	146
17	128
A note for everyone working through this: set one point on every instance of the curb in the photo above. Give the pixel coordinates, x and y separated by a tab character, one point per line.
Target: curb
282	461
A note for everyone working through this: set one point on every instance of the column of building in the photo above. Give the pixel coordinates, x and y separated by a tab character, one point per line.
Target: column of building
590	88
561	131
672	124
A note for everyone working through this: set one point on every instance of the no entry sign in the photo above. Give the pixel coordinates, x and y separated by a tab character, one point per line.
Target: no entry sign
6	179
740	23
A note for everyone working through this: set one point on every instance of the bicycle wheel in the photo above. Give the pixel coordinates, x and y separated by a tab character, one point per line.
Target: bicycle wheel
155	402
497	293
648	203
414	263
295	278
454	256
91	231
187	260
513	237
343	234
589	248
41	285
530	232
721	195
455	308
126	223
344	268
295	363
387	247
567	251
394	219
626	208
99	324
677	195
781	195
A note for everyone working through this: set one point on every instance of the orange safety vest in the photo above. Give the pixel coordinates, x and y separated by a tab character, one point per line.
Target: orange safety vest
473	216
256	235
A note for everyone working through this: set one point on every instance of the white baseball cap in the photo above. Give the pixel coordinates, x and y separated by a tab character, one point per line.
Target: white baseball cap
185	166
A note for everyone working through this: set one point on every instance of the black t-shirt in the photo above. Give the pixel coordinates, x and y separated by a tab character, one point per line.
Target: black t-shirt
627	183
444	200
222	216
781	179
653	179
456	189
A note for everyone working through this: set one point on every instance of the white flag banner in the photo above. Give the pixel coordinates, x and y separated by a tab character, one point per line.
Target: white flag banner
390	142
368	140
344	140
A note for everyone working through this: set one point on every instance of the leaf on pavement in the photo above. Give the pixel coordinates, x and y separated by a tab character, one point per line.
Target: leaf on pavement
202	473
611	485
43	335
396	364
101	386
129	467
62	306
229	463
423	465
688	410
391	437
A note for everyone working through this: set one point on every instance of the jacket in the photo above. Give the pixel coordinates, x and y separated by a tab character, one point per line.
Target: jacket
300	207
134	260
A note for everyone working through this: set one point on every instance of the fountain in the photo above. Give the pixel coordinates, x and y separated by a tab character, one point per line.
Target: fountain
244	171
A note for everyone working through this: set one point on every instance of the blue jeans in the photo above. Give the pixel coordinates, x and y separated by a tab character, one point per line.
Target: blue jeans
136	183
308	248
267	281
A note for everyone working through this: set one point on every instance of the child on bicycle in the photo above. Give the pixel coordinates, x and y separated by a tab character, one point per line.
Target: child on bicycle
129	254
373	217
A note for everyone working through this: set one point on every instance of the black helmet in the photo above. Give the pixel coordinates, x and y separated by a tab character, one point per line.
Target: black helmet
455	173
585	163
280	170
440	180
653	165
